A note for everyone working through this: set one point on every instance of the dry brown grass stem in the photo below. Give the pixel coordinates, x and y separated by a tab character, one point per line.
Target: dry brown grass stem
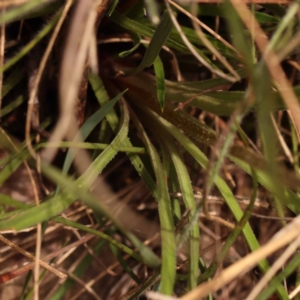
286	235
36	272
295	292
31	105
197	25
272	61
37	79
73	61
2	52
32	257
206	42
282	142
190	46
203	25
292	248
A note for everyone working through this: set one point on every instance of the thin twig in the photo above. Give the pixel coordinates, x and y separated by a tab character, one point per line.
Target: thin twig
272	271
32	257
37	79
193	50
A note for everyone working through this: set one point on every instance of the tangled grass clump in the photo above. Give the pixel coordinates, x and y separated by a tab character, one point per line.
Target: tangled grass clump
149	149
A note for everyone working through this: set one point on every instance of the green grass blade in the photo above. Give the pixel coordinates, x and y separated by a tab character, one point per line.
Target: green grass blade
168	268
146	30
112	119
220	183
12	106
12	80
89	125
158	40
32	43
92	146
290	267
189	201
160	82
74	189
136	40
14	14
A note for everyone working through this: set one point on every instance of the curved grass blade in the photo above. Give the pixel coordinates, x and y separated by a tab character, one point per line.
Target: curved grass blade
89	125
136	41
74	189
145	30
97	166
112	119
198	131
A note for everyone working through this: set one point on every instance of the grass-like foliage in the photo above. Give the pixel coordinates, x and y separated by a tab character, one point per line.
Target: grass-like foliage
149	149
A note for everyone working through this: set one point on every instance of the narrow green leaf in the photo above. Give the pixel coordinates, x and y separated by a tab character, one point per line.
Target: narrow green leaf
11	81
288	269
88	127
189	201
136	41
168	268
220	183
32	43
11	106
160	82
72	189
112	118
31	9
158	40
86	145
146	30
